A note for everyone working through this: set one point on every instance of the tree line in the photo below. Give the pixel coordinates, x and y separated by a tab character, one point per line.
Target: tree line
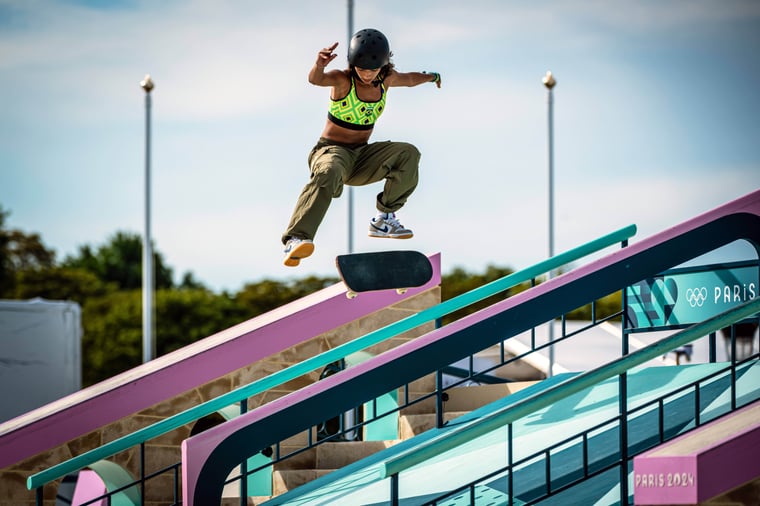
106	281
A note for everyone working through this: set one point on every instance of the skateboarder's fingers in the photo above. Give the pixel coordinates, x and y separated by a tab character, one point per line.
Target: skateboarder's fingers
326	55
327	51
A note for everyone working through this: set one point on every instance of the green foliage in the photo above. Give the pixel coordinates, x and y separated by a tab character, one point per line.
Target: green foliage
26	251
459	281
268	294
120	261
189	282
60	283
112	341
7	275
606	306
106	281
186	316
20	252
112	335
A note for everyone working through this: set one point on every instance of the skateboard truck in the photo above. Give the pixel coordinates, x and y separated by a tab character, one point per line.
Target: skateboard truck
352	294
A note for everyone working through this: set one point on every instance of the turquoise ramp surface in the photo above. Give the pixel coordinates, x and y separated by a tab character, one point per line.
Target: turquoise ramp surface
360	483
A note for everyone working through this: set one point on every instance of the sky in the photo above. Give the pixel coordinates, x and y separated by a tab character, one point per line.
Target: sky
655	121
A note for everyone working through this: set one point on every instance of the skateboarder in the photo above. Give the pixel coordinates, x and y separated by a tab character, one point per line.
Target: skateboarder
344	155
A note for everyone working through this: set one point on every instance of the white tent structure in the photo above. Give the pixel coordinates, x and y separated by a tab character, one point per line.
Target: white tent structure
40	353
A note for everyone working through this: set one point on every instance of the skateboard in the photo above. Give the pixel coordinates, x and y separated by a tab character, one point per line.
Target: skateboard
383	270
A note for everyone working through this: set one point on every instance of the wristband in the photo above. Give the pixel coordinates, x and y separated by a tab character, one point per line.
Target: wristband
436	76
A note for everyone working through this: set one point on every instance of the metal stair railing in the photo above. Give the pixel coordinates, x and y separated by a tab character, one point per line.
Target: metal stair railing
241	394
453	438
591	466
211	456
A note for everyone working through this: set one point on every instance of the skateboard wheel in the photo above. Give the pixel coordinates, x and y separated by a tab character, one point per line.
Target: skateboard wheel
351	295
401	291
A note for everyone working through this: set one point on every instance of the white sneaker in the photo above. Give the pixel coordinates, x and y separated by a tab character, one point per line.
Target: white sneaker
296	249
387	225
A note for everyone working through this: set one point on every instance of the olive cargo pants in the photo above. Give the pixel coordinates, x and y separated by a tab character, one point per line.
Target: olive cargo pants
333	165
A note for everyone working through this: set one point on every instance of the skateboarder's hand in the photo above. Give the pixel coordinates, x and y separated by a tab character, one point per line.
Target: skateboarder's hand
326	56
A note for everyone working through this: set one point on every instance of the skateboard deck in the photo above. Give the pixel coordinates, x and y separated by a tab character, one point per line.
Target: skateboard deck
383	270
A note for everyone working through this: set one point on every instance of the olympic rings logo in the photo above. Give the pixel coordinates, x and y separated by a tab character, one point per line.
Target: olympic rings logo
696	296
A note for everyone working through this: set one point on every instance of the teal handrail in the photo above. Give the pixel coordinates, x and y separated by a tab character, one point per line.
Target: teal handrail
476	428
283	376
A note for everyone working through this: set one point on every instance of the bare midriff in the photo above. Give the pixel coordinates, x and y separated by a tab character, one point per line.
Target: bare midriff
343	135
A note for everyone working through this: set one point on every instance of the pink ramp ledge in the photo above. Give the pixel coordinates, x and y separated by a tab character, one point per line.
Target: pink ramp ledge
701	464
193	365
208	457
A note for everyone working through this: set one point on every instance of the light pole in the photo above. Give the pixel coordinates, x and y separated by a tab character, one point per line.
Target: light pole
149	348
550	82
349	417
350	188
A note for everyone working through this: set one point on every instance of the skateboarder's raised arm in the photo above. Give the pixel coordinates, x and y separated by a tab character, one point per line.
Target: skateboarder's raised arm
395	78
317	74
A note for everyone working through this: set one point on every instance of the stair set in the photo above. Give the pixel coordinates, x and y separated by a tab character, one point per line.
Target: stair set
419	418
360	406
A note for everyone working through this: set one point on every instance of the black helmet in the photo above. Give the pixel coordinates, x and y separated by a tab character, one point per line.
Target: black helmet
369	49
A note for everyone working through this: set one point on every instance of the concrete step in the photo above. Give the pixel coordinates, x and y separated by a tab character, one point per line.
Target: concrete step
306	459
301	439
337	455
315	462
473	397
420	407
411	425
252	501
332	455
282	481
465	398
421	417
424	384
321	460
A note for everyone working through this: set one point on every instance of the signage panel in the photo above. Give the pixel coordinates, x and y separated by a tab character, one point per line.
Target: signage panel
682	297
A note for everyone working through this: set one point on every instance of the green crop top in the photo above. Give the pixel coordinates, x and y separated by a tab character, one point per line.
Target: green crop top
350	112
